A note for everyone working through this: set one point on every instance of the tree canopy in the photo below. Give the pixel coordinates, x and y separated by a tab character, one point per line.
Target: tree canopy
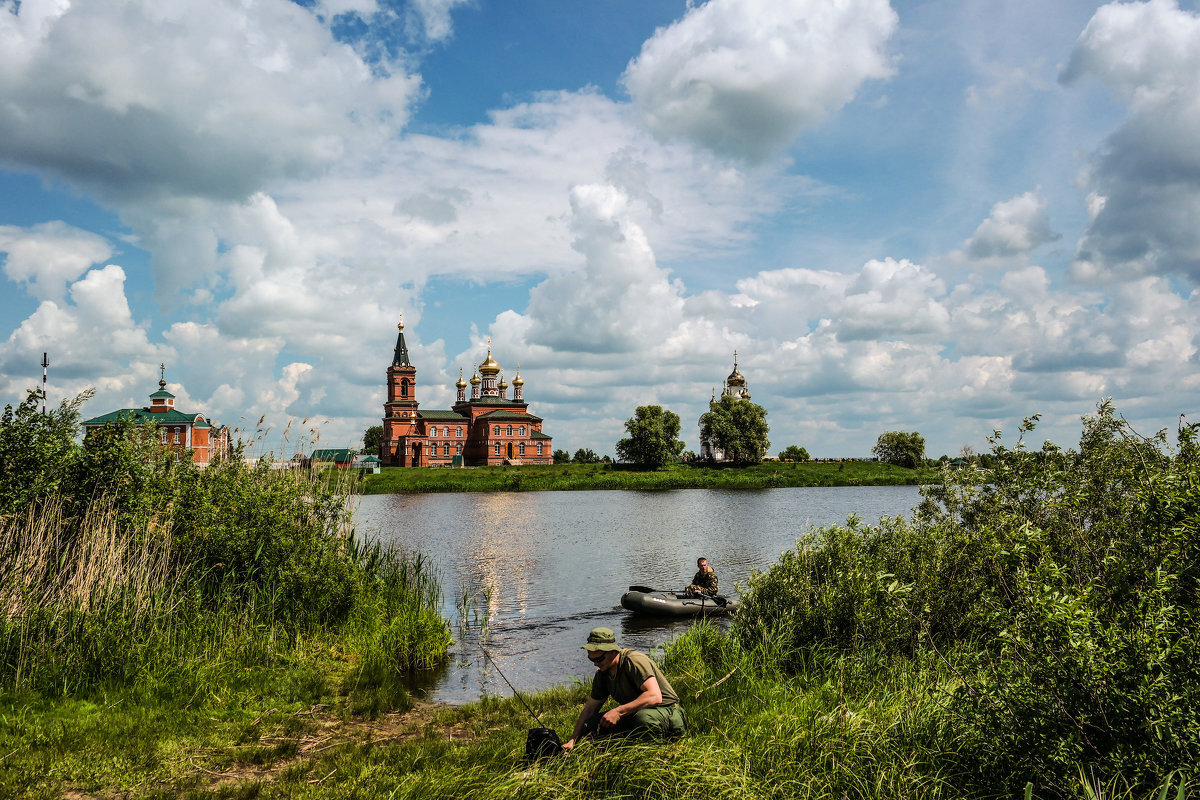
738	428
793	452
372	438
900	448
653	438
585	455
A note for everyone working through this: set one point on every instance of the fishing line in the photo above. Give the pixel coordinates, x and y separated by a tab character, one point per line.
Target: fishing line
483	649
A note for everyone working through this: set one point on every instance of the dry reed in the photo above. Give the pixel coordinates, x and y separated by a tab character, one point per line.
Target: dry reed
53	561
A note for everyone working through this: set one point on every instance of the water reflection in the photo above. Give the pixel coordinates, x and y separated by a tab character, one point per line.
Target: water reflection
549	566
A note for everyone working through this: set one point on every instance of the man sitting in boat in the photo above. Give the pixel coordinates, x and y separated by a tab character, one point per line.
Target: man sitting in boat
648	706
704	581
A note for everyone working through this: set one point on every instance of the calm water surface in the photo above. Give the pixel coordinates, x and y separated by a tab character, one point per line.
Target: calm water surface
550	566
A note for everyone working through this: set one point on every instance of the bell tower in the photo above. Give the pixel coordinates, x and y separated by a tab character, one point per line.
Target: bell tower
400	410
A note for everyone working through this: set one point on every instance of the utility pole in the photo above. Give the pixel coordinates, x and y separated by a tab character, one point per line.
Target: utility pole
45	366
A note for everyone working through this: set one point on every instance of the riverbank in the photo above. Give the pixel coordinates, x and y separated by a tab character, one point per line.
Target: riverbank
832	732
583	477
830	727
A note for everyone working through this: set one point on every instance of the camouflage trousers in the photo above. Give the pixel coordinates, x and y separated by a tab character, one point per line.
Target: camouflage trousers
658	722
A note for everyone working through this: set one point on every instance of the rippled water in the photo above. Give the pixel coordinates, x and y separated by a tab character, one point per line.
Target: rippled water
550	566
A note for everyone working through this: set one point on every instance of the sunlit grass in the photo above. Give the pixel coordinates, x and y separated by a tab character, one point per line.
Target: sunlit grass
574	477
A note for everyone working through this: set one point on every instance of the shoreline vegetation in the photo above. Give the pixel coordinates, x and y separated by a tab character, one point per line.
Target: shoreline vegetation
1033	631
588	477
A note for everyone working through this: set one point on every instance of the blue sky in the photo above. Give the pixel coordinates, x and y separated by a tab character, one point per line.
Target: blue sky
936	216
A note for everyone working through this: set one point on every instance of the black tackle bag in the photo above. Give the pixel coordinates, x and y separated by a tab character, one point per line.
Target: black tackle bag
541	743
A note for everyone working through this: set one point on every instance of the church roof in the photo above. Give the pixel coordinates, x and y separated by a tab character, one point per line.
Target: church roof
442	414
338	455
142	416
400	357
539	435
504	413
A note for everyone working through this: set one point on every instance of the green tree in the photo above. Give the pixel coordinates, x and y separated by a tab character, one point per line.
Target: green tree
900	448
562	457
586	456
737	427
372	438
37	451
793	452
653	438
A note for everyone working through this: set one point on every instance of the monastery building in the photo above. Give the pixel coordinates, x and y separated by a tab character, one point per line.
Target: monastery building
485	429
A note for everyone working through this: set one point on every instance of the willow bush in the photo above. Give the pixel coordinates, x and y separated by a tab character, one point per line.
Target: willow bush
122	562
1059	587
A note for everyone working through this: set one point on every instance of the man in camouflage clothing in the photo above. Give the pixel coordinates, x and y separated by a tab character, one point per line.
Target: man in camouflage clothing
648	705
704	581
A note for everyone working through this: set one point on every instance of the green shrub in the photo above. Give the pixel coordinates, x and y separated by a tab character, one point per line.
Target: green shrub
1061	588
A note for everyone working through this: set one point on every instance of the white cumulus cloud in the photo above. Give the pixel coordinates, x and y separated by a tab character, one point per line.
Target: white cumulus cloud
49	255
745	77
1145	183
1014	227
144	98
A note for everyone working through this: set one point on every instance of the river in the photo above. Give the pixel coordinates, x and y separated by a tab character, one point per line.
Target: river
550	566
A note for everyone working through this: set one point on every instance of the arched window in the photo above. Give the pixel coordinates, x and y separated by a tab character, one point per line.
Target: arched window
522	448
539	448
458	432
458	449
521	430
404	388
509	430
496	432
446	449
497	448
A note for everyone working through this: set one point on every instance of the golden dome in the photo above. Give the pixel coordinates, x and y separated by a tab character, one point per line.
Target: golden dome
518	381
489	367
503	385
475	379
735	378
461	384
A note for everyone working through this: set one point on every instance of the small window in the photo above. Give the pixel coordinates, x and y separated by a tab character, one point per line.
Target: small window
497	448
496	432
522	448
458	432
458	449
539	448
521	430
509	431
446	449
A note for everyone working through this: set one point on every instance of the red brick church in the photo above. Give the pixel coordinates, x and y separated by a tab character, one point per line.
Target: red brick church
486	429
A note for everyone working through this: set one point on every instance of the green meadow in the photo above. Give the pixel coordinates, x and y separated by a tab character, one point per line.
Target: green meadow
580	477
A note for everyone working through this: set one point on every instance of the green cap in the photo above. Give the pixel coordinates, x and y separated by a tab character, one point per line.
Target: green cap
601	639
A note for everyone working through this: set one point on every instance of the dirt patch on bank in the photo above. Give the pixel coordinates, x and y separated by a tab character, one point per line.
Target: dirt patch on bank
314	732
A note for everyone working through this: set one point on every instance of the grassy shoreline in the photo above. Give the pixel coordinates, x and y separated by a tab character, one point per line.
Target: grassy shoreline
587	477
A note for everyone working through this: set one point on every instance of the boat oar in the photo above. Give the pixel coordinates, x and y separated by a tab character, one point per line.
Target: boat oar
720	601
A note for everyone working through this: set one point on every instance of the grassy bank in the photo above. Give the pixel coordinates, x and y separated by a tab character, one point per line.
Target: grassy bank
575	477
144	600
829	726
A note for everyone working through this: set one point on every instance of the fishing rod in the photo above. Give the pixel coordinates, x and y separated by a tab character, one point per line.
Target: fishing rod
541	742
483	649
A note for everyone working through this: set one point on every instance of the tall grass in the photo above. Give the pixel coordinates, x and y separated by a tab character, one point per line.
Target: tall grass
232	568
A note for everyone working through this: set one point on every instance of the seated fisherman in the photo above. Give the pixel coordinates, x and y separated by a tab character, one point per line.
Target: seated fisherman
704	581
647	705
